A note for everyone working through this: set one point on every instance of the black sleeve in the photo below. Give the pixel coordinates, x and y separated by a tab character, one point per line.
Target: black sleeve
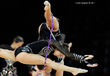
64	49
44	32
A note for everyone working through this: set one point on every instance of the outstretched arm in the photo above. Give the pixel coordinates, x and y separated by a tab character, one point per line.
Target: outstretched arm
48	17
4	53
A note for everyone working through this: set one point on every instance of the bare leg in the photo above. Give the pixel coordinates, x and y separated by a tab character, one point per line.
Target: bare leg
27	58
7	54
60	72
34	59
88	58
48	17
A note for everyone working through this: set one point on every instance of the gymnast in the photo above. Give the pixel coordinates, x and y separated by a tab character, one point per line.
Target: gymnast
44	31
58	37
38	48
39	69
9	65
25	56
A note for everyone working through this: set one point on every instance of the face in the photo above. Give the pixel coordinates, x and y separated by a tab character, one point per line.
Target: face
16	45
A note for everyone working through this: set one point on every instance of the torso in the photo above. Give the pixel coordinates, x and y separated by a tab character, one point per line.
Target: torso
45	33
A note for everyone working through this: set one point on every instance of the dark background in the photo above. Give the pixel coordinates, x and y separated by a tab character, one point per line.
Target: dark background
86	25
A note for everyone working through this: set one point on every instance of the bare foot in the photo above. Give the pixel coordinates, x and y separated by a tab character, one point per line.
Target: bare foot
78	71
92	65
88	57
46	3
